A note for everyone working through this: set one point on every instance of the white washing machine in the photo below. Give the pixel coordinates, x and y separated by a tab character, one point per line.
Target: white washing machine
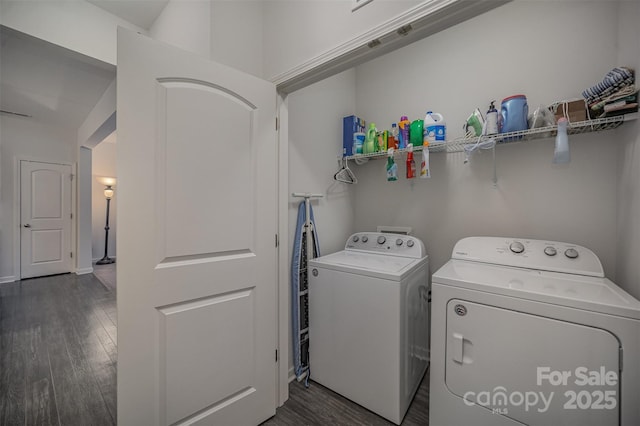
369	321
531	332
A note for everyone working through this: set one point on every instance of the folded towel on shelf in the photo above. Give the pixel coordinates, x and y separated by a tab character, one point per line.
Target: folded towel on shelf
621	102
616	80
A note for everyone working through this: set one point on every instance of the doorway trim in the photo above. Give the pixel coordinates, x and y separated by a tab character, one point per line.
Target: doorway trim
283	296
17	270
426	18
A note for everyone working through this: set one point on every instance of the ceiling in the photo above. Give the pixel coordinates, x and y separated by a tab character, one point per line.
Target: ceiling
57	86
51	84
142	13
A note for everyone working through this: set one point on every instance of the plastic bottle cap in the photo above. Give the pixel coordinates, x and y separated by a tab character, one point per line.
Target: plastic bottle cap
513	97
562	120
429	112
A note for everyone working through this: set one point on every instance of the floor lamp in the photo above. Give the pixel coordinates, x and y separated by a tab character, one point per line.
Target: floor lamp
109	183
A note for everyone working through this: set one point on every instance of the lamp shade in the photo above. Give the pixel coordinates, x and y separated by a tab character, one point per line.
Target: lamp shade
106	180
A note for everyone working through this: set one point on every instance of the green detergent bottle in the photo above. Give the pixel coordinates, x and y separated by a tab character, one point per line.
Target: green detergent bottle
369	146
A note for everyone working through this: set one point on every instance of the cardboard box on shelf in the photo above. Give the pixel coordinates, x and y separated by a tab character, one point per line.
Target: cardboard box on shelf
574	110
350	126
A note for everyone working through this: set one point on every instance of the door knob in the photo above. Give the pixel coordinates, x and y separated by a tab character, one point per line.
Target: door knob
26	225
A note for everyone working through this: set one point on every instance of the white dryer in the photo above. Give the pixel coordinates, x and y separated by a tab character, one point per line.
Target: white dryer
369	321
531	332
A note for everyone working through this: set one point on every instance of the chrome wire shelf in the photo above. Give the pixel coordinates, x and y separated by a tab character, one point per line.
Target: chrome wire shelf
457	145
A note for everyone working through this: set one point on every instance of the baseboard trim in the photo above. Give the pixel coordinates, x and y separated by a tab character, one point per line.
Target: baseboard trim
7	279
84	271
292	376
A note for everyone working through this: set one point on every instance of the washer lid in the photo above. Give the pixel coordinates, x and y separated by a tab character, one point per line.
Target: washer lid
578	291
374	265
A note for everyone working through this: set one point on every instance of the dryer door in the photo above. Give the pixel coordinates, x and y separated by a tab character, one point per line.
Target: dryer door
533	369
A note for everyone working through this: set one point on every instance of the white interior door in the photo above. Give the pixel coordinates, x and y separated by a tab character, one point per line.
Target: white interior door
45	219
196	239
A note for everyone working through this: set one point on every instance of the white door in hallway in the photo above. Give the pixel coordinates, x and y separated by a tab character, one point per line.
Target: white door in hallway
197	216
45	219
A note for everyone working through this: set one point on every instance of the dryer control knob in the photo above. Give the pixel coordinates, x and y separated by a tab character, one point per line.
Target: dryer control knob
571	253
399	242
365	238
382	239
355	238
516	247
410	243
550	251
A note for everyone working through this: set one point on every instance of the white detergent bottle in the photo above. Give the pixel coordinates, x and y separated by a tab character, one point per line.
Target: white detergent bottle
435	130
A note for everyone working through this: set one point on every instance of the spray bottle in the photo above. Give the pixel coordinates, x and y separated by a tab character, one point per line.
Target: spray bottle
411	164
492	120
392	167
425	171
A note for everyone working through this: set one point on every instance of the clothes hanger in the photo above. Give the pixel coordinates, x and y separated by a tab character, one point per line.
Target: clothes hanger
345	175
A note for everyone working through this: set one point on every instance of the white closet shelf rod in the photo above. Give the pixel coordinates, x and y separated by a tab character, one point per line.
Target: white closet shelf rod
306	195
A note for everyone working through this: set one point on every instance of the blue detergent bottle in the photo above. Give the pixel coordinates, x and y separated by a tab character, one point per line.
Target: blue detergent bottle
514	112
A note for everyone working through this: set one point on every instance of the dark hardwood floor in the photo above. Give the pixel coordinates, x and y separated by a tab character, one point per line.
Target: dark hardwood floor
319	406
58	359
57	352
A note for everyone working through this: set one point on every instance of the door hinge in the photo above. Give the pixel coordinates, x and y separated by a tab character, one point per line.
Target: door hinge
71	255
276	355
71	215
277	242
277	124
71	176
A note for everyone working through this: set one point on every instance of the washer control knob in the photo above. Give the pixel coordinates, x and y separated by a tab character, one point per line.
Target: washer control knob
550	251
355	239
571	253
382	239
410	243
365	238
516	247
399	242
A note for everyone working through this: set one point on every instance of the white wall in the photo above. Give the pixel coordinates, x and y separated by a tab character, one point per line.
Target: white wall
237	37
229	32
75	25
547	50
297	31
185	24
315	142
101	120
628	232
103	161
26	138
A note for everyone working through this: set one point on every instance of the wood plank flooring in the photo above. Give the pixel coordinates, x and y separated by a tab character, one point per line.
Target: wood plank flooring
319	406
58	352
58	358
